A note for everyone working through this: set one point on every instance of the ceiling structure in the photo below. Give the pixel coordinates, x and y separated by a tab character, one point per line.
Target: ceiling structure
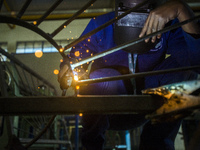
65	9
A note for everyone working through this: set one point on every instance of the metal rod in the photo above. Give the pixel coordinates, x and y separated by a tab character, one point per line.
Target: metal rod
25	6
130	43
19	75
142	74
48	12
105	25
3	86
72	18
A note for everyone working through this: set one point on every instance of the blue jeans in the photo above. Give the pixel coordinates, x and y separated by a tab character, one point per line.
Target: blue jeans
154	137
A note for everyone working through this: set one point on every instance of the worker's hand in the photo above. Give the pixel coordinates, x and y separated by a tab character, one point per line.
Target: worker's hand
65	77
170	10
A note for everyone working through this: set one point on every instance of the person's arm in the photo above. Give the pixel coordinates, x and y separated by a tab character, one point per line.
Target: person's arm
170	10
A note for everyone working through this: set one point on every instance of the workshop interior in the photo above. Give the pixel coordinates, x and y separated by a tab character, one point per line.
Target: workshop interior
36	114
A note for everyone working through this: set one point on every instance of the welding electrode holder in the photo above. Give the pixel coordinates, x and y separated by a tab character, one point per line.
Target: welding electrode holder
66	80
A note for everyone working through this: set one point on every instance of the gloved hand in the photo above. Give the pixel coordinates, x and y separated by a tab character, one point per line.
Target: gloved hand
65	77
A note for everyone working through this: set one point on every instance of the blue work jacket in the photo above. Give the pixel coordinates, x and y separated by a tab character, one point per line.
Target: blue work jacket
175	49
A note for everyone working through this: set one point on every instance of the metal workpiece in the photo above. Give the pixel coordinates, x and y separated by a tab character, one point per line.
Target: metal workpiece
94	104
180	99
178	105
186	87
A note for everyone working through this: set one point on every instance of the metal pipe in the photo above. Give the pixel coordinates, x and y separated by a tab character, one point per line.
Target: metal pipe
25	6
72	18
142	74
105	25
48	12
135	41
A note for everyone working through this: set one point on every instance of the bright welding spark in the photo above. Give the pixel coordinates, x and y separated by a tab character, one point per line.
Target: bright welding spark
77	87
77	53
76	77
56	71
61	50
34	22
38	53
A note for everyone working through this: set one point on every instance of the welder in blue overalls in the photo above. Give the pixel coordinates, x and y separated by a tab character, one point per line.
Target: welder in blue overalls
180	45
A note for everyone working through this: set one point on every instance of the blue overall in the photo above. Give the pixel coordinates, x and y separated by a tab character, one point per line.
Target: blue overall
182	49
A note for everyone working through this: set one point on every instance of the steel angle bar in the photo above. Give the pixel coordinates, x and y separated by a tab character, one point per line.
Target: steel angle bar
72	18
104	104
16	21
135	75
105	25
23	9
130	43
48	12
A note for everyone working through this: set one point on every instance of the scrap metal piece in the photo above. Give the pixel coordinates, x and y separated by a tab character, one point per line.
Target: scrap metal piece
186	87
179	101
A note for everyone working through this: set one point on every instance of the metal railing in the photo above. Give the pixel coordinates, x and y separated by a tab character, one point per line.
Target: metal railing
20	80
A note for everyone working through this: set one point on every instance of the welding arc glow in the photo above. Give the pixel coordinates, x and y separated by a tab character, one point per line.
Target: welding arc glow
135	41
75	77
